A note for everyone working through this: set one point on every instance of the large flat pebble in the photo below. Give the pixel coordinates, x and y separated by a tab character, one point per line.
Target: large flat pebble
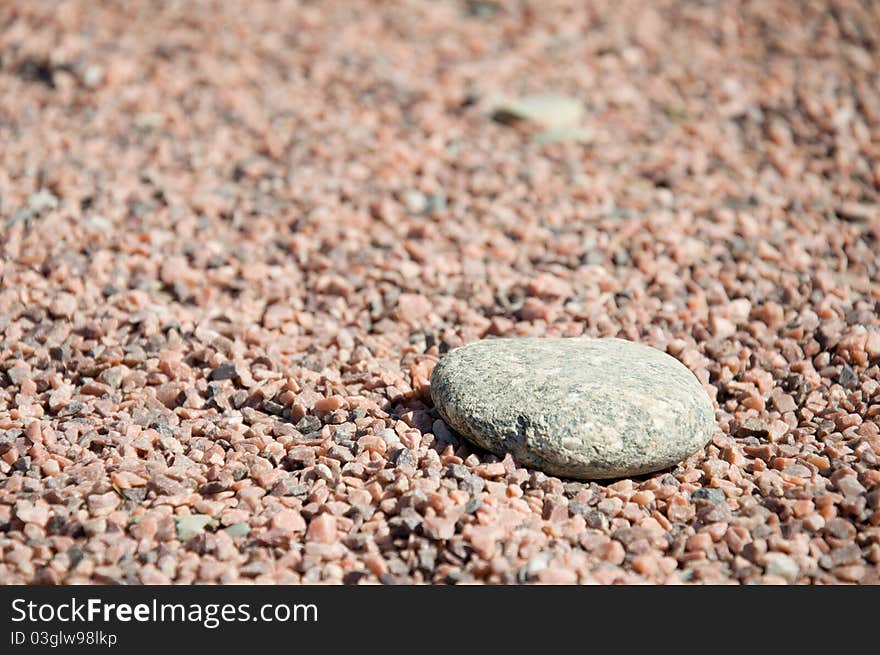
580	408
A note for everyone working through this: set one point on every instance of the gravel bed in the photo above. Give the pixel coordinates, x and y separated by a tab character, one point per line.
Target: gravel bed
234	244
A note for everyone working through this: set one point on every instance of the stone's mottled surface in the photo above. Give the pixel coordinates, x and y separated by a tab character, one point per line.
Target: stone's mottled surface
580	408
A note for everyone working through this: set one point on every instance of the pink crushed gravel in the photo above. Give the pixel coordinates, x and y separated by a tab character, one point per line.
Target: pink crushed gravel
233	245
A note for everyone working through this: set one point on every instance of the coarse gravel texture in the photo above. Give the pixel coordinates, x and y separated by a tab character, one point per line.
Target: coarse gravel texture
235	243
576	407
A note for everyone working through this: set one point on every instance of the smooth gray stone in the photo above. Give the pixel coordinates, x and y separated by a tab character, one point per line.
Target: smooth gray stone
579	407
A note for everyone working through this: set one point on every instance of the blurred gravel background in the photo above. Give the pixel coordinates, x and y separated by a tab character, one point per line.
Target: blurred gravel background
236	239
